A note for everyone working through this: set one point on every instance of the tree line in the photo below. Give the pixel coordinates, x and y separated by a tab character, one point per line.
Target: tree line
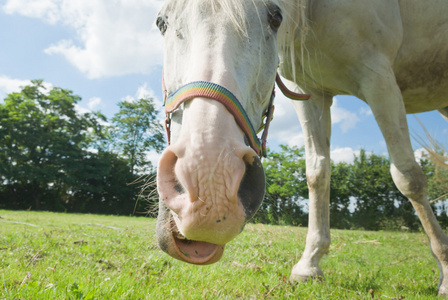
362	194
52	157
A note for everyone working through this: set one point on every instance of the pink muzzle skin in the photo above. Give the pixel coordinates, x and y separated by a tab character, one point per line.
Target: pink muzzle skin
224	96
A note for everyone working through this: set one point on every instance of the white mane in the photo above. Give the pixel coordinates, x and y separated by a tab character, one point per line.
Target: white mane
295	23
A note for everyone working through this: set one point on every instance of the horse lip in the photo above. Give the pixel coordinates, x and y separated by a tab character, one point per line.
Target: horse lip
195	252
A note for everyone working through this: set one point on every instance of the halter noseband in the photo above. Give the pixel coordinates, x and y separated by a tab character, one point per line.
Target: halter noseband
224	96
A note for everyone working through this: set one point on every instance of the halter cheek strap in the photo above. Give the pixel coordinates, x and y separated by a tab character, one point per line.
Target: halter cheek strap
224	96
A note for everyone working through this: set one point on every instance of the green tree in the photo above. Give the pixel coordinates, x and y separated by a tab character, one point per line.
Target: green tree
41	137
379	204
436	171
104	185
435	165
52	158
135	132
286	188
340	195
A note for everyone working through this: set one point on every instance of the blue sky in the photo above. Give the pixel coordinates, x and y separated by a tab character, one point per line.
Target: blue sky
109	50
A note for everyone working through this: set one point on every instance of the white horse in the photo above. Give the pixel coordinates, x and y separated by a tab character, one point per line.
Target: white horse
393	54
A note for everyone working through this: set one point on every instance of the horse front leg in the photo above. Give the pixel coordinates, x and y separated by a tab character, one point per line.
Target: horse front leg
315	119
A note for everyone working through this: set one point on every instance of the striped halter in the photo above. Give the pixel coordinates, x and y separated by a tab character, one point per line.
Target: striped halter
224	96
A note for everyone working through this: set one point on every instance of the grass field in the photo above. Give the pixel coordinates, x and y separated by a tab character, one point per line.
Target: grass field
69	256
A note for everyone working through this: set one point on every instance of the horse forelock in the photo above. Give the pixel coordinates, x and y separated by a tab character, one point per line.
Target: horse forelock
295	20
236	10
295	23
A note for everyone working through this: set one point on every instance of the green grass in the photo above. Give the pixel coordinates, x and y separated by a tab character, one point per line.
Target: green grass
70	256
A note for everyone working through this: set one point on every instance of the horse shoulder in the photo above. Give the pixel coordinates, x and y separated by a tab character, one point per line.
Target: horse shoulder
347	39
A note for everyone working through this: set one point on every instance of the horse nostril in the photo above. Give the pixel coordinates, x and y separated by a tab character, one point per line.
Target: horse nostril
168	186
178	187
252	186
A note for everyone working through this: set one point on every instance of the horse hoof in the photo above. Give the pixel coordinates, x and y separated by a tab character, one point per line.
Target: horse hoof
443	291
300	274
443	295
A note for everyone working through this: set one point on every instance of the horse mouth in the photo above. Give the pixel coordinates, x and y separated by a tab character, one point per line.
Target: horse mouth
195	252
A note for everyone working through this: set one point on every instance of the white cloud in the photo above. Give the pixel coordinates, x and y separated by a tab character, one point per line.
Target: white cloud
144	91
153	157
82	110
10	85
111	37
43	9
366	111
94	103
285	127
345	154
345	118
420	153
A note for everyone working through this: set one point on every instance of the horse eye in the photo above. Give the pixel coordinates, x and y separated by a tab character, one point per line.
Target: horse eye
162	24
275	20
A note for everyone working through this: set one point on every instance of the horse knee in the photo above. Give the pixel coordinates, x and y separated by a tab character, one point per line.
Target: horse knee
410	181
319	176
